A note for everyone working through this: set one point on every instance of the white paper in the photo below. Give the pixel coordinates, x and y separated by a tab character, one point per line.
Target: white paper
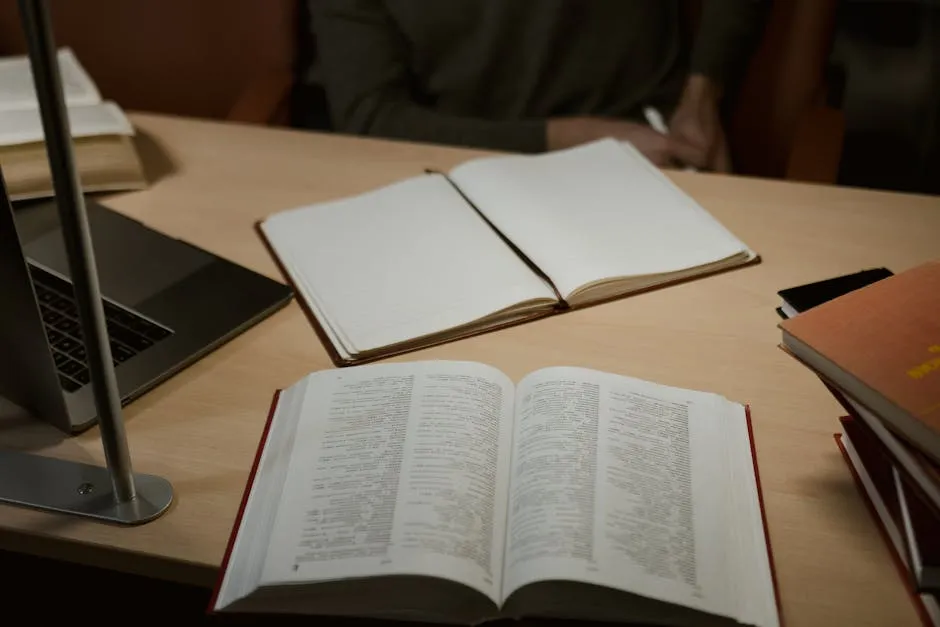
398	469
594	212
16	82
636	486
24	126
399	263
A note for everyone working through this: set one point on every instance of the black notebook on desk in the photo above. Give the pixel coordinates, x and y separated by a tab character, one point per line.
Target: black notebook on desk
798	299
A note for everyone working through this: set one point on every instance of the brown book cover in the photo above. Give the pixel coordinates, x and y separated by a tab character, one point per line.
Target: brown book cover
881	346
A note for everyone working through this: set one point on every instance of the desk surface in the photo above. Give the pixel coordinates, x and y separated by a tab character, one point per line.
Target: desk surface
201	428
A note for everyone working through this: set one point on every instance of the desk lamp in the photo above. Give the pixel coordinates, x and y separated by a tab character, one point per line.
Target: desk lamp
115	494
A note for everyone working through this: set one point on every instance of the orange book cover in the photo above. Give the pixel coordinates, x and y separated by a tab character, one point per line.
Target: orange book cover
886	336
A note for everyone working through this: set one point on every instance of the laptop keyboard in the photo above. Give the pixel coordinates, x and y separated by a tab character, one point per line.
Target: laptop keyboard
129	333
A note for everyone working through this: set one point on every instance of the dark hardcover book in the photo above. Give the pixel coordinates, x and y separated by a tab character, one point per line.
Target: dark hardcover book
922	527
925	603
917	522
802	297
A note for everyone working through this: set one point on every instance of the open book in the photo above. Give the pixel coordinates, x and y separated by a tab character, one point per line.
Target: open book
105	155
438	491
497	240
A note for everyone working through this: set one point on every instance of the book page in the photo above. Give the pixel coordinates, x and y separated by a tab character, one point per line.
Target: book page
24	126
399	263
594	212
621	483
243	570
18	92
397	469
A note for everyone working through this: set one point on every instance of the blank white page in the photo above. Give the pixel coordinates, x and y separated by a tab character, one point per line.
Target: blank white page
16	82
597	211
400	262
22	126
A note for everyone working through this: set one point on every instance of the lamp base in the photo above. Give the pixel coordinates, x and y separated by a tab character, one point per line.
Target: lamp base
79	489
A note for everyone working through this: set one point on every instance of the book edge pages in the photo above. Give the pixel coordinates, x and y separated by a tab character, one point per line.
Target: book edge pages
338	355
897	448
249	483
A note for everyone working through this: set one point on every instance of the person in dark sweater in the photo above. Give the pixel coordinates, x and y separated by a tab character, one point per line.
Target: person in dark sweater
533	75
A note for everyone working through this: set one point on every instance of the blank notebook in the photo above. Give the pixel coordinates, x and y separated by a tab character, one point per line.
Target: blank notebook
493	242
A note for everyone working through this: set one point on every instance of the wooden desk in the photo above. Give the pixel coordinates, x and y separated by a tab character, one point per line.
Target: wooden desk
201	428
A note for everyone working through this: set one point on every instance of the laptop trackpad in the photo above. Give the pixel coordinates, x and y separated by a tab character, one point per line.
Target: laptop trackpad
134	262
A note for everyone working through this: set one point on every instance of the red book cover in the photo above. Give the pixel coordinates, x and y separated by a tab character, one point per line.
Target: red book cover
878	464
763	515
903	500
917	599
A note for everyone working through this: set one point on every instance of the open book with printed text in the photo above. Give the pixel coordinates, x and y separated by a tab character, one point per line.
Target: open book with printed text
102	136
495	241
439	491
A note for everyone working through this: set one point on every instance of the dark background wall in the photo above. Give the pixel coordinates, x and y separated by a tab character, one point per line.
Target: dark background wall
885	69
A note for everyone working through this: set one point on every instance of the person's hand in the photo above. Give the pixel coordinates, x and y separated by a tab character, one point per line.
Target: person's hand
695	134
568	132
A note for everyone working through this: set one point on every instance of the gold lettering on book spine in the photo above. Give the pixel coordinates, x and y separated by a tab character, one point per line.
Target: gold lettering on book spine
922	370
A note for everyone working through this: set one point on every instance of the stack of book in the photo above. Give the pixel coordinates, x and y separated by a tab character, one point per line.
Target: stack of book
877	349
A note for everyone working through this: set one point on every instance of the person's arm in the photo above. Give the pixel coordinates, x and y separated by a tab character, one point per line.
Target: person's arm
364	60
726	35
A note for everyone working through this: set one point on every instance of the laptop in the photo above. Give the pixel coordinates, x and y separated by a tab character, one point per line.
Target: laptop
167	304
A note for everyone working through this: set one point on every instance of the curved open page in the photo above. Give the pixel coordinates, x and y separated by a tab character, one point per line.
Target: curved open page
638	487
406	261
596	214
